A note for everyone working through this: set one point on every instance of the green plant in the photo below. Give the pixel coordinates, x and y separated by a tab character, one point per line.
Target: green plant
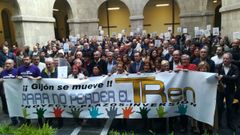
46	130
27	130
6	129
114	132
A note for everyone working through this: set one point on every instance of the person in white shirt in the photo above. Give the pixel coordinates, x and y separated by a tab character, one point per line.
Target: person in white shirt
75	73
218	58
36	62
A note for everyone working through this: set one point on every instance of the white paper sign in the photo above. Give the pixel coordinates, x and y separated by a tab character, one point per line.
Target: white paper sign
197	33
196	28
179	29
170	29
188	37
99	38
62	72
131	34
236	35
185	30
207	33
209	27
120	35
158	43
216	31
66	47
101	32
144	32
161	36
167	35
100	28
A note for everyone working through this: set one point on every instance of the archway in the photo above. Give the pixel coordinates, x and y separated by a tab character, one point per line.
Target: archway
62	12
159	15
218	15
114	17
7	27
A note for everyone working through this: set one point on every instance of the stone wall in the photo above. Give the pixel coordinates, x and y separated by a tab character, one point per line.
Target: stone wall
230	17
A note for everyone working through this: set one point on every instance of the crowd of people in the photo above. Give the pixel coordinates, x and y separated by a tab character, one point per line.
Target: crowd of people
130	55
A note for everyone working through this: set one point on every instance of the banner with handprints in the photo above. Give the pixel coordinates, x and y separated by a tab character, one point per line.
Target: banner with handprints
153	95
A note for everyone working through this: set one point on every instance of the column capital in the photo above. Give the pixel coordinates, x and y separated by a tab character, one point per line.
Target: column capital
77	20
196	14
229	8
136	17
26	18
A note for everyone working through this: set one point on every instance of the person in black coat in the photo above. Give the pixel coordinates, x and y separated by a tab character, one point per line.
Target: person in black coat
137	65
228	74
98	62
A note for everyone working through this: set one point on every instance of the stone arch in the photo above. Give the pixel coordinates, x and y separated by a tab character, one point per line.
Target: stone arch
116	20
159	18
8	10
7	25
61	11
218	17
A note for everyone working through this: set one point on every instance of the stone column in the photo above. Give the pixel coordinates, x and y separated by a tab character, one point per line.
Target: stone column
33	29
230	17
136	22
83	27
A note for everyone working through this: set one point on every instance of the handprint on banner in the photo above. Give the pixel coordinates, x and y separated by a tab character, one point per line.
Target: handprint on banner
112	113
182	109
144	111
58	112
127	112
25	113
75	112
94	113
160	112
40	112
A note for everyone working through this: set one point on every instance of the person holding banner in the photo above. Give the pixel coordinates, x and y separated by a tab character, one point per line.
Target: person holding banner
28	71
50	72
76	73
228	73
120	69
186	66
9	73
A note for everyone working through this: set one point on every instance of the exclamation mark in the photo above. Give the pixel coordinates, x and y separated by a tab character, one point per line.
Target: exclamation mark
111	83
108	83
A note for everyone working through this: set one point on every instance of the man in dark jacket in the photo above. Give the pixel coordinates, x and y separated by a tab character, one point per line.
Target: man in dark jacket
137	65
227	73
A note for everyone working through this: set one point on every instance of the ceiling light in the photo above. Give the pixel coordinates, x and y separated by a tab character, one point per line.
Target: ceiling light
162	5
215	1
56	10
114	8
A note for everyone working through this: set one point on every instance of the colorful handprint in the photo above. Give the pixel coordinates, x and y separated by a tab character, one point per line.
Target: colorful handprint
75	112
182	109
127	111
94	112
40	112
144	111
58	112
112	113
160	111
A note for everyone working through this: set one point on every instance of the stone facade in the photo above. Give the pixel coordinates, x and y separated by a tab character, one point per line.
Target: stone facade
34	21
230	17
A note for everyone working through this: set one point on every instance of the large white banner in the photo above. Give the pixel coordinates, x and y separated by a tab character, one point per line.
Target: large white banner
155	95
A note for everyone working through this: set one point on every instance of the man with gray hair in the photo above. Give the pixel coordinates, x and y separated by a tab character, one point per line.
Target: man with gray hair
228	74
